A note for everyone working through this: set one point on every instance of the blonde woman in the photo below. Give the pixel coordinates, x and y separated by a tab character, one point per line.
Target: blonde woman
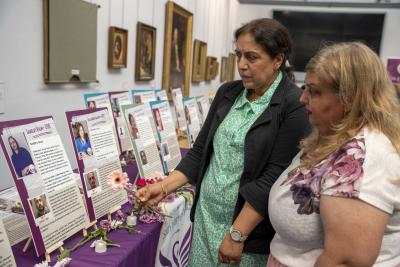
338	203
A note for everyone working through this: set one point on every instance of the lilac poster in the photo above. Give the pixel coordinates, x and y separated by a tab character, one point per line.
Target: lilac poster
96	152
44	180
393	67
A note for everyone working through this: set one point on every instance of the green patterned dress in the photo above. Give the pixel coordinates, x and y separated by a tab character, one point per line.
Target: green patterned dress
220	185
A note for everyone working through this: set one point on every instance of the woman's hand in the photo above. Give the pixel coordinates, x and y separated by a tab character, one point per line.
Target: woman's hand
230	251
151	194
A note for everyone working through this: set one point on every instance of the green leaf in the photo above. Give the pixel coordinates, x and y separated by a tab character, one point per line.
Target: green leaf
64	254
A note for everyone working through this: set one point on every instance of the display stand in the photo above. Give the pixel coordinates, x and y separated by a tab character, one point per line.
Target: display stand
26	246
52	248
92	224
111	211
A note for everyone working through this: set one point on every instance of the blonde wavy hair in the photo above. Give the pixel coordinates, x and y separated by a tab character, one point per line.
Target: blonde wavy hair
357	75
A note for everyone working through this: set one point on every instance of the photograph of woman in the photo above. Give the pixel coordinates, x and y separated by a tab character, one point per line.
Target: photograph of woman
21	158
187	115
134	129
157	118
82	140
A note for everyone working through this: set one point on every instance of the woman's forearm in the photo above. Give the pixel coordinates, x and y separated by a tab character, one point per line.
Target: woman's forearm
175	180
247	219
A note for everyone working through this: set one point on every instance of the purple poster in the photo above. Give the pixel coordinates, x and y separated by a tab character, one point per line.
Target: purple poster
393	68
44	180
96	151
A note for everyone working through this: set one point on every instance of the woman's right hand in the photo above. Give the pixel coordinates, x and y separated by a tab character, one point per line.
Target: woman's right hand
151	194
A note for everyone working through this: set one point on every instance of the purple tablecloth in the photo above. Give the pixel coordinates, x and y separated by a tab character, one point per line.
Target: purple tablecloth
136	250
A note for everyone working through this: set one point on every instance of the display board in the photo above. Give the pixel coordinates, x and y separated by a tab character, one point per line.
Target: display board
180	113
97	156
203	106
169	145
13	216
44	179
117	99
6	255
192	119
145	146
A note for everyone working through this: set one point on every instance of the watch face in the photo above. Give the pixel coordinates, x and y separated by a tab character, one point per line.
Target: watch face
235	235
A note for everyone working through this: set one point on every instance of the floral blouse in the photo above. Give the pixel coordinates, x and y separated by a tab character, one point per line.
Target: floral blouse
364	168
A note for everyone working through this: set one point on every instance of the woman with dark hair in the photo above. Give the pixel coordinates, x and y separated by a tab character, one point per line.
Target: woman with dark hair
249	137
82	142
21	158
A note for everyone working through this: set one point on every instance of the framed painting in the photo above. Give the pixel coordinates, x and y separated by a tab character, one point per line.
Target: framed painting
177	48
224	69
117	48
145	52
231	67
199	61
215	69
211	71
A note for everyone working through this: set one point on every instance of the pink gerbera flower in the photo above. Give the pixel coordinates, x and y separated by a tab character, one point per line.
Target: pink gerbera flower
117	179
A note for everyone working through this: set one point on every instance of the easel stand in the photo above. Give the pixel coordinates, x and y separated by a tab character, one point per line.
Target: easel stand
92	224
52	248
112	210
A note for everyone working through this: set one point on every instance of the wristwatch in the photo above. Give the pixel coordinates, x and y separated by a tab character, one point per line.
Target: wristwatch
236	235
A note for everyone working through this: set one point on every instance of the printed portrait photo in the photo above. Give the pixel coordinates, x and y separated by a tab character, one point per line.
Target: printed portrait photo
91	104
133	126
143	157
158	120
20	154
82	140
39	206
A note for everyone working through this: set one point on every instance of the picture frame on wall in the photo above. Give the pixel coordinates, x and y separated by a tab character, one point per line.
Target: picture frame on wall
231	67
224	69
212	68
199	61
177	48
145	52
117	47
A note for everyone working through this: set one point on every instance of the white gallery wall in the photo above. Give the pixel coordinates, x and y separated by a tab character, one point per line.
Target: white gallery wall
214	21
21	56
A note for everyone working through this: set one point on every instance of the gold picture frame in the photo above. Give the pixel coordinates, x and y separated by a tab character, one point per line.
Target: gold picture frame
199	61
145	52
177	48
224	69
117	48
231	67
212	68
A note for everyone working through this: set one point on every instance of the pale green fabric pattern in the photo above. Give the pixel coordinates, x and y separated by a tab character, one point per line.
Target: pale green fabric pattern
220	186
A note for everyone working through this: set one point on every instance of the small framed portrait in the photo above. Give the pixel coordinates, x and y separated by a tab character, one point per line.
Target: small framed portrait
199	61
145	52
39	206
231	67
224	69
117	48
177	48
82	140
20	155
211	71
